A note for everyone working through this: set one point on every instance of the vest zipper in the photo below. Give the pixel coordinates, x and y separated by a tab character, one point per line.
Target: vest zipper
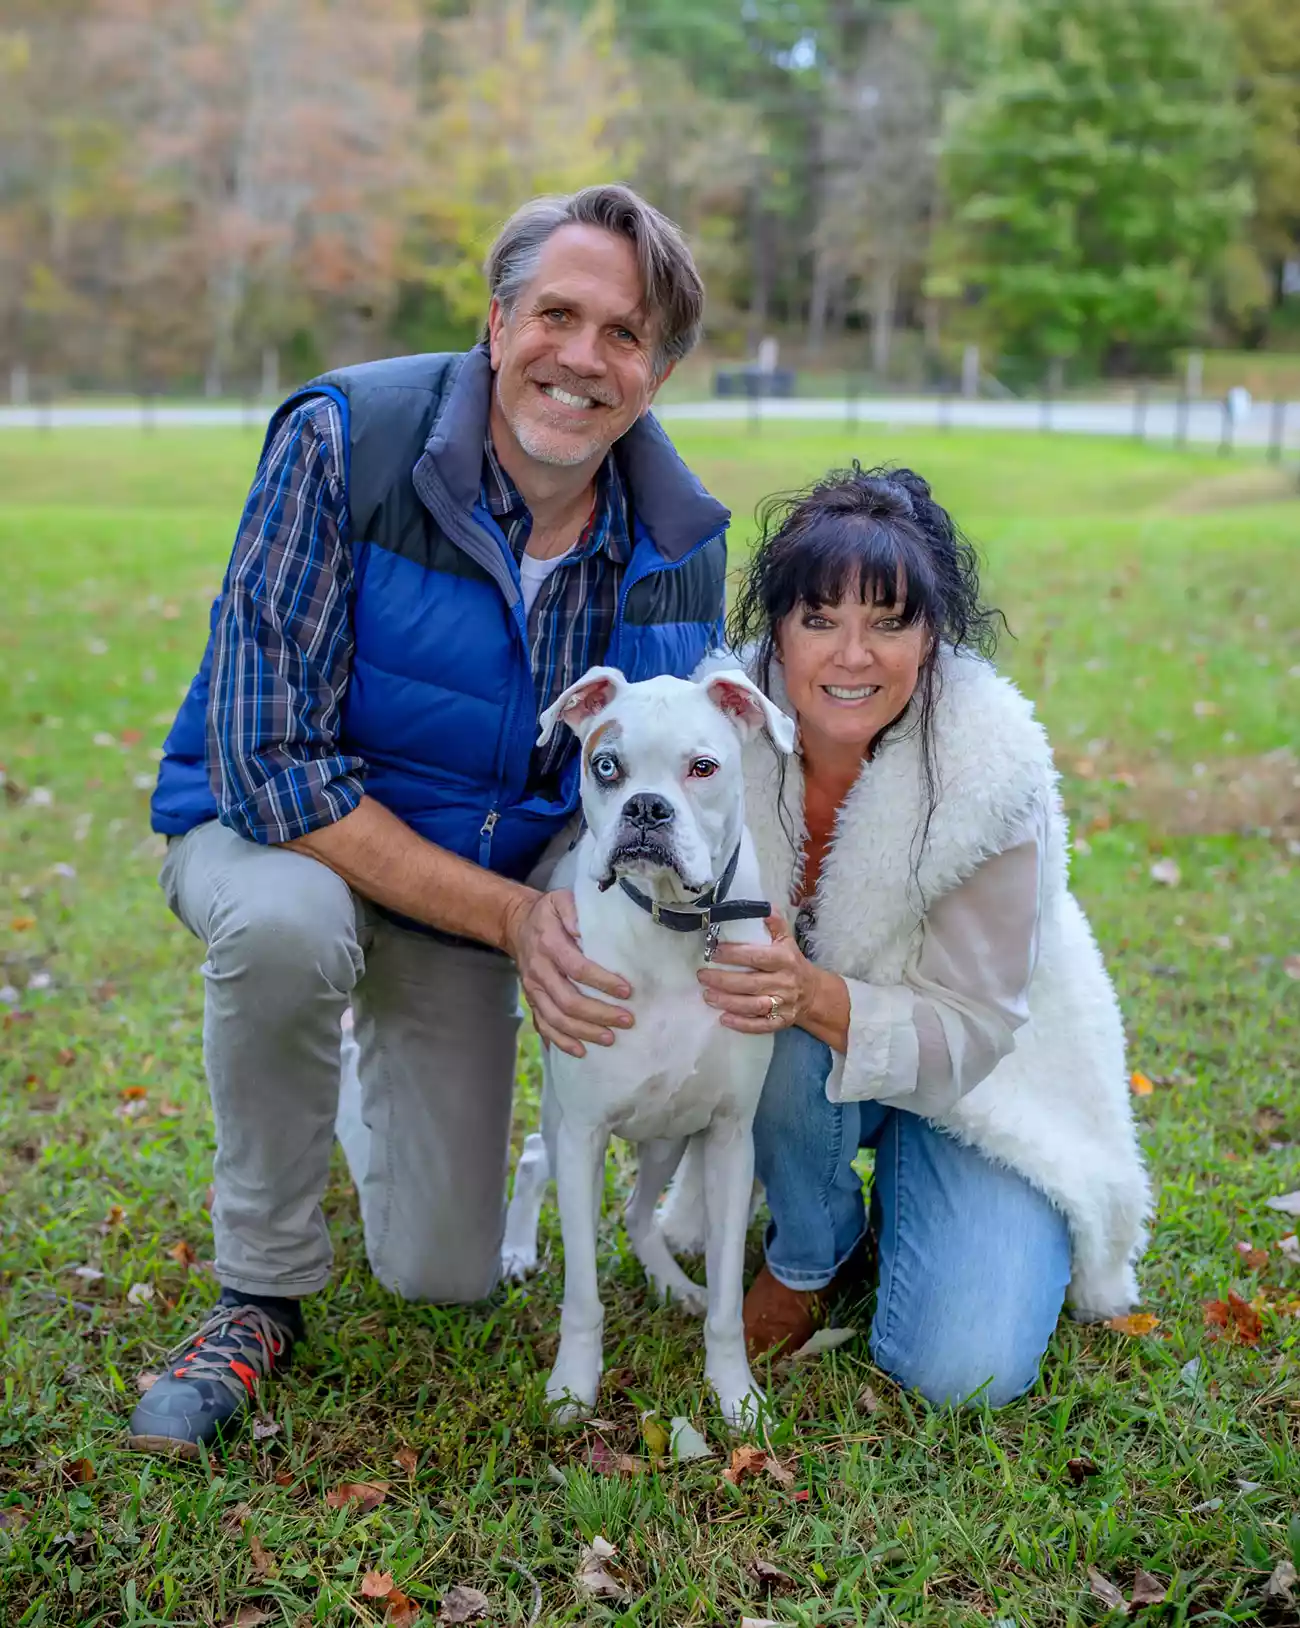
485	831
630	582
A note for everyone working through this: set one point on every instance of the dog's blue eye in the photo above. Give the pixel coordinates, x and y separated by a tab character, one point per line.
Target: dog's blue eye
702	768
605	767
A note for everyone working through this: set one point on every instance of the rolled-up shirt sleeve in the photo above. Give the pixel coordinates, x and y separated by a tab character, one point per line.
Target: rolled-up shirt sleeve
923	1043
282	650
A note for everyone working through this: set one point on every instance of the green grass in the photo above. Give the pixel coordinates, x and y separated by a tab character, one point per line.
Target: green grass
1156	602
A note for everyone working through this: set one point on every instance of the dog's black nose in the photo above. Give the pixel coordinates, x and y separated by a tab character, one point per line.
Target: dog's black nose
646	810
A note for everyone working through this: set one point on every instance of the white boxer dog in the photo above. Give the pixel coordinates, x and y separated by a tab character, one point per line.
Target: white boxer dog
663	871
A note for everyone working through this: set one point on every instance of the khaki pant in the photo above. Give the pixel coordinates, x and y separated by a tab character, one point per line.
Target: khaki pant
427	1075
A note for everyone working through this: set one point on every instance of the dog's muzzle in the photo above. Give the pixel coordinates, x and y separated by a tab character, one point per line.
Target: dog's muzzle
705	914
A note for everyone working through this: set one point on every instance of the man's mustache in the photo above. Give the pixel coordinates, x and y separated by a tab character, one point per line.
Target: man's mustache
577	387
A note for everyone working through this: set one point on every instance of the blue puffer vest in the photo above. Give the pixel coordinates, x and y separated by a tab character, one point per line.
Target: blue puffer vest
440	704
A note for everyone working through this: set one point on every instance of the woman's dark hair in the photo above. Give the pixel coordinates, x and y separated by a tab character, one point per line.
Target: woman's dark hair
868	532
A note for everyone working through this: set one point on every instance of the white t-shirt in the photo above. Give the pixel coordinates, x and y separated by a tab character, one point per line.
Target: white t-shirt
533	573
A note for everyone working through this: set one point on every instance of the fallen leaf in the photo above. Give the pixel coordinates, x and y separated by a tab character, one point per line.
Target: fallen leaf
654	1435
133	1093
1247	1486
462	1604
183	1254
594	1576
402	1610
1140	1085
770	1577
406	1458
263	1565
91	1274
1291	966
1207	1506
1079	1469
139	1294
1147	1590
1166	872
67	1057
825	1339
868	1401
1136	1323
779	1473
1254	1260
1189	1370
23	924
78	1471
13	1520
377	1585
1106	1591
760	1622
247	1616
369	1494
745	1461
264	1429
1268	1120
1290	1248
115	1217
1278	1587
1287	1203
802	1496
169	1110
687	1443
234	1520
1240	1322
145	1380
283	1478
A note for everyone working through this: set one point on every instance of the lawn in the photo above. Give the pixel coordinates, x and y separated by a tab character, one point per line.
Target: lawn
1155	599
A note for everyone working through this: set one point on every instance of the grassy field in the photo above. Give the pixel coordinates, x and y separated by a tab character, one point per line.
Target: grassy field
1156	603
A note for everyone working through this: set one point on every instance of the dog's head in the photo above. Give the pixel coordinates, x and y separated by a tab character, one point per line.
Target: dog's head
661	771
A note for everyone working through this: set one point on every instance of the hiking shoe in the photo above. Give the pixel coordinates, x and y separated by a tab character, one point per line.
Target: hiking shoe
212	1378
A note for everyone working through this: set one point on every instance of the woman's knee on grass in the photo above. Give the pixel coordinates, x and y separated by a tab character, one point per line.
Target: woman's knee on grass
963	1366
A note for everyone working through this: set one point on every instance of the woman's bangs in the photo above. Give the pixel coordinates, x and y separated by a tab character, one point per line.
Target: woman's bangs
849	557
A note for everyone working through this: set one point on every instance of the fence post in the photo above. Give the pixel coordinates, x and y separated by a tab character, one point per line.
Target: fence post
850	400
1180	419
751	390
1225	428
1140	412
945	406
1277	431
970	372
19	385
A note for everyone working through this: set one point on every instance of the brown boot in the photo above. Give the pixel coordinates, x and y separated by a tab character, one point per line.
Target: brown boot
777	1316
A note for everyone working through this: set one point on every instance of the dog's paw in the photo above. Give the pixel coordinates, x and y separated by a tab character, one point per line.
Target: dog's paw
741	1409
692	1298
517	1264
571	1397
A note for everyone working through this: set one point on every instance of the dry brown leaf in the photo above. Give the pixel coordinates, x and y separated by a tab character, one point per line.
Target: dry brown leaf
1079	1469
745	1461
604	1460
377	1585
402	1610
115	1217
13	1520
1289	1247
264	1429
770	1577
462	1604
368	1494
247	1616
1147	1590
1268	1120
234	1520
145	1380
183	1254
1106	1591
868	1401
778	1472
406	1458
66	1057
1140	1084
78	1471
1254	1260
1135	1324
1281	1582
23	924
283	1478
594	1575
263	1564
169	1110
133	1093
1236	1318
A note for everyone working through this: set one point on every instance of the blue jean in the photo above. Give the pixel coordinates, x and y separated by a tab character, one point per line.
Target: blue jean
974	1262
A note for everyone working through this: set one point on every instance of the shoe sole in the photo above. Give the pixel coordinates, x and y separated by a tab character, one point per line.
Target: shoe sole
172	1446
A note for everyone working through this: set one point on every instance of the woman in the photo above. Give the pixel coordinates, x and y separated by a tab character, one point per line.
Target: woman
941	998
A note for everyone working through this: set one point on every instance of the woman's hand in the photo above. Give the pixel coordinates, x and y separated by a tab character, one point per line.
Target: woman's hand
772	988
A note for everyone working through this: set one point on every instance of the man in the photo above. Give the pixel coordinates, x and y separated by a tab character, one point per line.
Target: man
433	548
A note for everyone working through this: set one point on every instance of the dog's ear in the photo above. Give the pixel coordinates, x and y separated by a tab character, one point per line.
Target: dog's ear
749	709
582	703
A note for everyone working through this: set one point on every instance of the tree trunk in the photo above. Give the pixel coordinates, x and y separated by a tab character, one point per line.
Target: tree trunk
761	284
818	304
884	291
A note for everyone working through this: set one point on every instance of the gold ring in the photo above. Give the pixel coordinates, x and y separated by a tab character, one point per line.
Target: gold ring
775	1010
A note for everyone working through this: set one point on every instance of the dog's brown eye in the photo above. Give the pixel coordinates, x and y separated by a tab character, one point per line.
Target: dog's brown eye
702	768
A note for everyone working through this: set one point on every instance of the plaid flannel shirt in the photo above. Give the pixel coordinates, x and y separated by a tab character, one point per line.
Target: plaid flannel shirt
283	647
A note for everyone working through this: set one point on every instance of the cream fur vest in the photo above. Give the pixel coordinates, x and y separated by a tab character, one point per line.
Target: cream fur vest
1057	1109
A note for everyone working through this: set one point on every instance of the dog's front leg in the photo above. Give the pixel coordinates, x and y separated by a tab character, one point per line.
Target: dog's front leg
579	1173
728	1179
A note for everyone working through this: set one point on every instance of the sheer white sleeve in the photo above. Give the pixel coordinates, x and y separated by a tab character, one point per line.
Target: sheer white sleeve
923	1043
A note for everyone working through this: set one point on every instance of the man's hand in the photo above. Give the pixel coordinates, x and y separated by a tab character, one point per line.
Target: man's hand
542	938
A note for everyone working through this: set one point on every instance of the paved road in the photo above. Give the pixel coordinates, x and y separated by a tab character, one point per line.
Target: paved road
1204	420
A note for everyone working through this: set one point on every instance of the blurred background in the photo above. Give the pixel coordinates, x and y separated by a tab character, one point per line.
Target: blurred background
219	198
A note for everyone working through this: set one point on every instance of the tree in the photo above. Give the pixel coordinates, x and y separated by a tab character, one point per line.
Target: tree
528	101
1096	179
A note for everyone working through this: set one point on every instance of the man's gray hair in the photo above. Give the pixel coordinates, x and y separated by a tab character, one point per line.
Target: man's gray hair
670	284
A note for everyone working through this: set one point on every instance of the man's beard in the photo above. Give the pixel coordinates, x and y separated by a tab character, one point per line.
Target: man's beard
545	444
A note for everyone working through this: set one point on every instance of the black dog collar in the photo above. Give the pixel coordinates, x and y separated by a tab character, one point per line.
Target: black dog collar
707	913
